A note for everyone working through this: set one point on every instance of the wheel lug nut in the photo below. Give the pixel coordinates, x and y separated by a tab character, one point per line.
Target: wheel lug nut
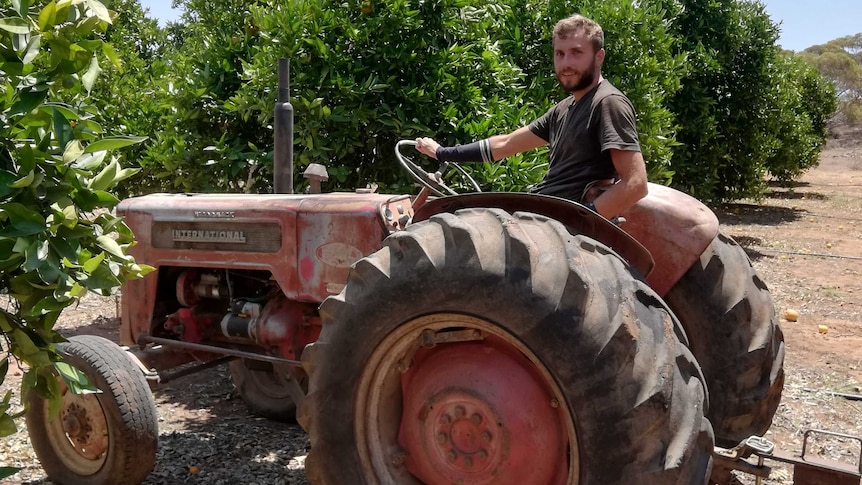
482	454
486	437
452	456
460	411
399	457
446	419
468	461
442	438
476	419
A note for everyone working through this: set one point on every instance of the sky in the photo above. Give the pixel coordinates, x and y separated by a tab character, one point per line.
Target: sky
803	23
161	10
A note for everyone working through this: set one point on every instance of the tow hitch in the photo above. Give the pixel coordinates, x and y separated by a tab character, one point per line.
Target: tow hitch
807	470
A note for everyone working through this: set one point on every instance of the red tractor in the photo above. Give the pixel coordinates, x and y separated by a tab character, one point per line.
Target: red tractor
482	338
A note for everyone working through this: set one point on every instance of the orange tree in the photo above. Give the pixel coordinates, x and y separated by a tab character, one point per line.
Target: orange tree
719	109
58	238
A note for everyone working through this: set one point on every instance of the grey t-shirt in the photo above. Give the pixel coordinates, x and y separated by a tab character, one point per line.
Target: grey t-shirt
580	134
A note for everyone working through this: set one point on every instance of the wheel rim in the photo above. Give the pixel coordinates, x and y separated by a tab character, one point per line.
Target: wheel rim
477	409
80	433
271	384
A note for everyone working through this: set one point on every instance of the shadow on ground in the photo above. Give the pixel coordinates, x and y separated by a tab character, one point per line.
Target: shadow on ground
743	214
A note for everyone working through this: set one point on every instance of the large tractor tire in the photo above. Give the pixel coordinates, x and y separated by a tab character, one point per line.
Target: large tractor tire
264	391
729	317
487	348
101	438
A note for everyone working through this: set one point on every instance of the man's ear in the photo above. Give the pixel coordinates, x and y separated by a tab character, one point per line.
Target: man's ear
600	57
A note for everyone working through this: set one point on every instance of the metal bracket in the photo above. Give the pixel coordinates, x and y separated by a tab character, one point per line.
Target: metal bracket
806	470
431	338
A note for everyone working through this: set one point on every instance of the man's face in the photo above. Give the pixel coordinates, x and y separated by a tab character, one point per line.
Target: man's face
575	63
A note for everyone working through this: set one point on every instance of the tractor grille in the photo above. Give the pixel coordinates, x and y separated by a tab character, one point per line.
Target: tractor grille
218	236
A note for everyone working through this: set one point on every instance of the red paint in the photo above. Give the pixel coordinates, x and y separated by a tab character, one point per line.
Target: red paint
478	413
306	268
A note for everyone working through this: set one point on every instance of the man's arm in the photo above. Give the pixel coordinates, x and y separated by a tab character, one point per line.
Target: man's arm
501	146
631	188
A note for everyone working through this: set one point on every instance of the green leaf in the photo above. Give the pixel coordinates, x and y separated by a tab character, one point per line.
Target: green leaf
46	306
104	199
35	255
89	77
75	379
73	151
24	342
111	246
7	428
112	56
23	221
64	109
15	25
6	179
102	279
92	264
24	181
20	7
27	101
62	128
48	16
114	142
99	9
32	49
89	161
106	178
8	471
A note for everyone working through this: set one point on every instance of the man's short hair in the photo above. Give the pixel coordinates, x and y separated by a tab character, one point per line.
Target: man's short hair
578	23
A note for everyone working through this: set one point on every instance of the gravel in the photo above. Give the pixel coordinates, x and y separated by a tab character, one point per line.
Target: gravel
206	434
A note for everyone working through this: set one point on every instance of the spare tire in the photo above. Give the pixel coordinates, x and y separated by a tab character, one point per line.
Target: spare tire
482	347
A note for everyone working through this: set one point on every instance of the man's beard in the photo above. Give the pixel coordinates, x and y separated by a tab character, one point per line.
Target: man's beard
582	82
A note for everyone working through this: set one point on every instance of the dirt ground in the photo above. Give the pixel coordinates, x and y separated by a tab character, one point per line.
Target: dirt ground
805	241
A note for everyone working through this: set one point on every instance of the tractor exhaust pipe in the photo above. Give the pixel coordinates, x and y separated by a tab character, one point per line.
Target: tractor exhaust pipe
282	157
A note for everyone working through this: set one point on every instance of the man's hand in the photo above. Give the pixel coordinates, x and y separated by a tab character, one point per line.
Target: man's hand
427	146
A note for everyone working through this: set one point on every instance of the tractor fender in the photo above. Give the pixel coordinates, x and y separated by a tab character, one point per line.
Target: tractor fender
576	217
675	228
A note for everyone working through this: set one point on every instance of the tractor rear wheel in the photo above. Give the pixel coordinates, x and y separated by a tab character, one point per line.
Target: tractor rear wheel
729	317
482	347
263	390
104	438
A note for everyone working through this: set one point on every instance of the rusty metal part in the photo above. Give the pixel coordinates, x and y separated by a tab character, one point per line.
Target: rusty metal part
431	338
477	429
290	380
675	228
313	239
807	470
166	377
316	174
811	470
578	218
83	426
216	350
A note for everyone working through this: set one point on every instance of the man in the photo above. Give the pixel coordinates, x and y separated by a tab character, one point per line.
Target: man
592	135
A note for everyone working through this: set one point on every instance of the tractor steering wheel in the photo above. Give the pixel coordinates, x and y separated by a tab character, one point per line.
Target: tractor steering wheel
431	181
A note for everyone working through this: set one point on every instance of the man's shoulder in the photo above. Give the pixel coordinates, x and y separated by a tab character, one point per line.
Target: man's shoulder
608	93
607	89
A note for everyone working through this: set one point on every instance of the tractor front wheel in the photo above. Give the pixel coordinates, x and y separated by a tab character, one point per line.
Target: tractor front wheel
482	347
104	438
263	390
